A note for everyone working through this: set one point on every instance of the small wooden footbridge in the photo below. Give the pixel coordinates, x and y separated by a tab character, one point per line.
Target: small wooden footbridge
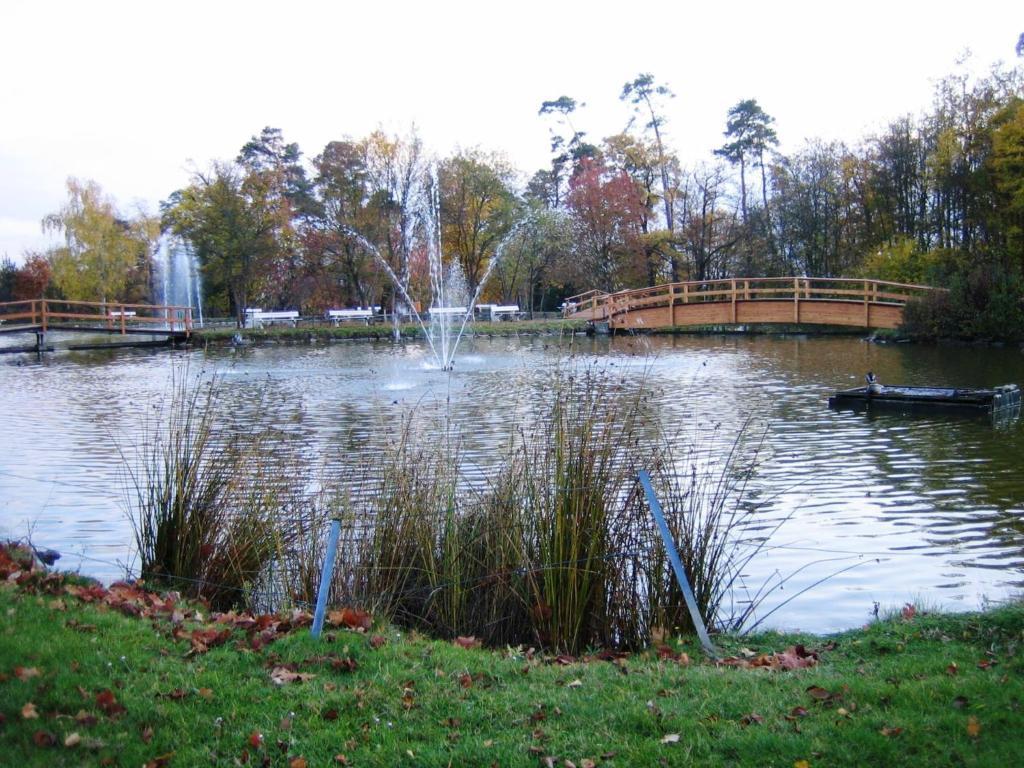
750	301
164	324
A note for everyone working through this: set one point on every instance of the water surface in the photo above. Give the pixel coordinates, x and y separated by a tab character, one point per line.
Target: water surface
874	509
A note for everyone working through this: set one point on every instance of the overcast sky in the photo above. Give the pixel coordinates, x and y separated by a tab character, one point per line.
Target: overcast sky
135	94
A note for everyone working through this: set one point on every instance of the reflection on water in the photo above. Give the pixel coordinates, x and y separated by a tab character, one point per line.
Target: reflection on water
891	508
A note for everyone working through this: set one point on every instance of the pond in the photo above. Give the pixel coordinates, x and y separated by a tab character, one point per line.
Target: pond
871	509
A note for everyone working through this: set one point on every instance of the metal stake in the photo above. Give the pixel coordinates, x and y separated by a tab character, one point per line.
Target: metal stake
325	578
677	565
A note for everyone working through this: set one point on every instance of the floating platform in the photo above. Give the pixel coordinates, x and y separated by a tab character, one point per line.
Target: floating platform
939	399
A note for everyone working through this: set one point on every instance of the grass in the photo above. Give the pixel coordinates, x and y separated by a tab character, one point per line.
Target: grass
885	695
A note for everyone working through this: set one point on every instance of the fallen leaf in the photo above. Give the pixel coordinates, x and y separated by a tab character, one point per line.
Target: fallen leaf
752	719
284	676
206	693
28	712
908	612
330	714
466	680
160	761
960	702
801	764
25	673
577	683
819	693
106	701
973	727
44	739
952	669
72	740
341	759
353	618
255	739
670	738
466	642
887	731
297	762
147	734
85	718
377	641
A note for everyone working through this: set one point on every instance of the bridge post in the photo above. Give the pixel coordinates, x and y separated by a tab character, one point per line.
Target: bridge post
796	299
733	282
867	305
672	305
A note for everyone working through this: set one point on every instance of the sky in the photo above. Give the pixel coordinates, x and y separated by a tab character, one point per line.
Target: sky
138	95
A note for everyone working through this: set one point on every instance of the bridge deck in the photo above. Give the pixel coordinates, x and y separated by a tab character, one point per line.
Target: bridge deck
748	301
43	315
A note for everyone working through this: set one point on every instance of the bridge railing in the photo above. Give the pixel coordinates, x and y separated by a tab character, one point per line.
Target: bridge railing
599	305
112	317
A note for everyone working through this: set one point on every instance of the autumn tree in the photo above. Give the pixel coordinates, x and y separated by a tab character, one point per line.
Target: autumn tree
642	93
606	210
340	261
231	220
102	249
533	267
478	208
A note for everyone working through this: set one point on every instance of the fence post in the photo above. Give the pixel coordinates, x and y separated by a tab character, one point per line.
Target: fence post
677	565
325	578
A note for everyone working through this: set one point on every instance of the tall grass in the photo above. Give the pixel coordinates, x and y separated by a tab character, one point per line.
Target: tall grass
556	548
559	549
204	515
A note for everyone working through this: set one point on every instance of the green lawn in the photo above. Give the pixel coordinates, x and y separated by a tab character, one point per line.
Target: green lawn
86	684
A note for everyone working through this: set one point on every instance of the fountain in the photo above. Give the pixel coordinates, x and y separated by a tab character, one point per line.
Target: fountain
451	306
176	277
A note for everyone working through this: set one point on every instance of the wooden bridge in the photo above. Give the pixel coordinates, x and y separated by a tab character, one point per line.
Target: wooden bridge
749	301
40	316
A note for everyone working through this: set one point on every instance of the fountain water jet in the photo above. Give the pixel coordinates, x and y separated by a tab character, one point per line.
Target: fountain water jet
450	306
176	277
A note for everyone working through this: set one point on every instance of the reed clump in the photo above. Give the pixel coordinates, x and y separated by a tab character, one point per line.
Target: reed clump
205	517
557	548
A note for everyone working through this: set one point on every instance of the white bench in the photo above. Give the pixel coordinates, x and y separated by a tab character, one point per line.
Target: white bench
449	311
255	318
342	315
505	312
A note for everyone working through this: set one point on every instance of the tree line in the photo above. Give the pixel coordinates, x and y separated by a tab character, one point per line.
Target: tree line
936	198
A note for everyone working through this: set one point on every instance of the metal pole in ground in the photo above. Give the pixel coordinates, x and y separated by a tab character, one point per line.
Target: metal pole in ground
325	578
677	565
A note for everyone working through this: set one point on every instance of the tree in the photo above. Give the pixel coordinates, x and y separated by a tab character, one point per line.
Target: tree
708	231
101	248
565	149
606	209
642	90
477	210
231	221
749	128
533	259
396	172
33	279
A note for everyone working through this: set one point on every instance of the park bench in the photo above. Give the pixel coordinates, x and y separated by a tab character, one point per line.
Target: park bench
349	315
256	318
505	312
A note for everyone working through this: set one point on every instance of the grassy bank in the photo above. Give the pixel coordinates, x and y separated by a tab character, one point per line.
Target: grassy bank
282	333
124	678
